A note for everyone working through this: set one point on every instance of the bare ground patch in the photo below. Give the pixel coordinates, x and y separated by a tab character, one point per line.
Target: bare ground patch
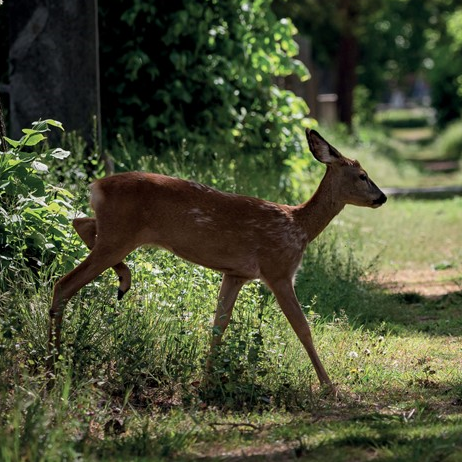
425	282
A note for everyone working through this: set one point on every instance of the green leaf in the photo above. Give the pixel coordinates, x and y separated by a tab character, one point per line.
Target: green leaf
60	153
11	142
32	140
42	168
29	131
444	265
34	184
38	238
26	157
54	123
40	126
53	207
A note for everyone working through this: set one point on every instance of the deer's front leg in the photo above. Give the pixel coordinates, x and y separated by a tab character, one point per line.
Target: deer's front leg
229	290
285	295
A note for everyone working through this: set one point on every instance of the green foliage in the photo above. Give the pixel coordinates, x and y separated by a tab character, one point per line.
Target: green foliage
403	118
444	48
37	429
363	106
398	40
389	33
35	213
449	142
324	263
201	72
455	32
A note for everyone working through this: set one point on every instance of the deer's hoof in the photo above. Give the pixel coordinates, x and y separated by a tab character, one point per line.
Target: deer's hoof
120	294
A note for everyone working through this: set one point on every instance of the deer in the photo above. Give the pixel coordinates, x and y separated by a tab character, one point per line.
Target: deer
243	237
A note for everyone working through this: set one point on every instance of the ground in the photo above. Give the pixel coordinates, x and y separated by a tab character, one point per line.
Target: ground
427	282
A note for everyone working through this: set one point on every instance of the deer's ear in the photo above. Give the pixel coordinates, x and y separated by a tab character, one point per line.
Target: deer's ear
321	149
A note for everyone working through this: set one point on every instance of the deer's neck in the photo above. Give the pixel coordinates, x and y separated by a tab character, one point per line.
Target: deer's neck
318	212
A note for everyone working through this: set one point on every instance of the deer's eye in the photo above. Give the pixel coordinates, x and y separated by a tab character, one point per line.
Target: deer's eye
363	177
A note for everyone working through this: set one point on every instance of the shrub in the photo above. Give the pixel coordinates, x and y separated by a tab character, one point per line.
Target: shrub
201	72
449	143
35	213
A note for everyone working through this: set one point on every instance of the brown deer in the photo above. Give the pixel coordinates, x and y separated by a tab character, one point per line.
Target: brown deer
244	238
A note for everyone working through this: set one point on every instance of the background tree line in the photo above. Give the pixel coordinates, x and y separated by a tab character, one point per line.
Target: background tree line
375	44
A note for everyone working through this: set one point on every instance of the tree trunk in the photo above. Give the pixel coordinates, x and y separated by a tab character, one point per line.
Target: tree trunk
346	62
3	145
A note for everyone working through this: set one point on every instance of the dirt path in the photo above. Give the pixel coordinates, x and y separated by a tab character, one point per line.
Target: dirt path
429	283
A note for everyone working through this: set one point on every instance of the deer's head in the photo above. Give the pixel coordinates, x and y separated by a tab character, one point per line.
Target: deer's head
349	182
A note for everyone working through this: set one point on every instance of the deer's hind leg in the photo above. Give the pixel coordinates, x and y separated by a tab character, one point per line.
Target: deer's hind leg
86	229
102	256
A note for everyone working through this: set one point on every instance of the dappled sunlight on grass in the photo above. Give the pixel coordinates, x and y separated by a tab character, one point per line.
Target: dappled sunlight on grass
405	233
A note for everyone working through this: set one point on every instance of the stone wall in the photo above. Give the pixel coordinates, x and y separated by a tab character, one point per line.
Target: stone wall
54	64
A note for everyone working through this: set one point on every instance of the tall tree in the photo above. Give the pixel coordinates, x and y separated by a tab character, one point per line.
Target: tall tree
444	49
347	59
336	29
3	146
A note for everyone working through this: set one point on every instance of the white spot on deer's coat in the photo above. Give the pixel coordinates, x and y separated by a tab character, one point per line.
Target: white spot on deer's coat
199	186
200	217
204	220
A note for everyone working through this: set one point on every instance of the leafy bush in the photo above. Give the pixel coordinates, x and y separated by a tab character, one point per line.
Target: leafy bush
201	72
445	75
403	118
35	213
449	142
363	105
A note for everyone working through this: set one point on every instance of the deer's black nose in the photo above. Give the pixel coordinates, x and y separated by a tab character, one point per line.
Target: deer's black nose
381	200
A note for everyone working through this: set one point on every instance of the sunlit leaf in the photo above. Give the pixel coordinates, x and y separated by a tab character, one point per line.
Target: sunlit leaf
34	139
11	142
54	123
39	166
60	153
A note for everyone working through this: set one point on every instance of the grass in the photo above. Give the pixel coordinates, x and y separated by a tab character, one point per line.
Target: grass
405	234
130	382
394	162
398	390
405	118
